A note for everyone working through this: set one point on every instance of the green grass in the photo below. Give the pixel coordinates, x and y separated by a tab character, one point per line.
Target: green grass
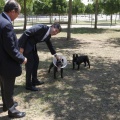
100	22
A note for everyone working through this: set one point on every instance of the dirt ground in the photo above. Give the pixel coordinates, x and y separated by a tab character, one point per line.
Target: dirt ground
85	94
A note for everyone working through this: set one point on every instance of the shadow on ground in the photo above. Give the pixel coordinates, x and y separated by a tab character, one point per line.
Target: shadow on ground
88	30
85	94
114	42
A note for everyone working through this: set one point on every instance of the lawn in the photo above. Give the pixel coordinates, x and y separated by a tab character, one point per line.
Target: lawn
85	94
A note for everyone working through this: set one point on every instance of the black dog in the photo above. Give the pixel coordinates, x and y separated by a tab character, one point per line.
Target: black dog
59	64
80	59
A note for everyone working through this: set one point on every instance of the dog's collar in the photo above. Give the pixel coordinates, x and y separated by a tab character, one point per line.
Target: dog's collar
64	61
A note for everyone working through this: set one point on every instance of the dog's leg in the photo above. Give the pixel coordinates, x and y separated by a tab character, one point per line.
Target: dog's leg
73	64
78	66
61	72
51	65
88	62
85	63
55	70
73	61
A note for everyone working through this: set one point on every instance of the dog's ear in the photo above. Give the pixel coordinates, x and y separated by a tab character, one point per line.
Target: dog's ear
73	55
76	55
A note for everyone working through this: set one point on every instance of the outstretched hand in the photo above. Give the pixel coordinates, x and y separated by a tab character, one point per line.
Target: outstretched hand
58	57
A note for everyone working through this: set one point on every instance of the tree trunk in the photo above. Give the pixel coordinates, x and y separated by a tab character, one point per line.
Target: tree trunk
111	19
91	20
119	15
96	13
25	20
59	17
50	16
69	20
106	17
115	18
76	18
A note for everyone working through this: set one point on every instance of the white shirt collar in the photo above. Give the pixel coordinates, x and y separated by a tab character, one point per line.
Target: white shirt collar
48	32
46	35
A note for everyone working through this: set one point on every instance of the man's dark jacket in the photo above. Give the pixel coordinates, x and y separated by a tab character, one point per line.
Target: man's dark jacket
10	57
34	35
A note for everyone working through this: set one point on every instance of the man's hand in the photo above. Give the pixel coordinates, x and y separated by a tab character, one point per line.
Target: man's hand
21	50
57	57
25	61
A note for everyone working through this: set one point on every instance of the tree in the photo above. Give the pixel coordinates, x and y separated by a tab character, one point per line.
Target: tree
38	8
25	19
96	13
59	7
50	7
43	7
77	7
90	10
69	20
2	3
27	6
110	7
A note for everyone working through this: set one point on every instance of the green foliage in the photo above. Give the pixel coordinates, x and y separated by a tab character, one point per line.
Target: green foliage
29	6
99	8
111	6
43	7
49	6
61	6
78	7
89	9
2	3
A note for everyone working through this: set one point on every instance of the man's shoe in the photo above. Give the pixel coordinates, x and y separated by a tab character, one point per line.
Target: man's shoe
16	114
32	88
5	108
37	83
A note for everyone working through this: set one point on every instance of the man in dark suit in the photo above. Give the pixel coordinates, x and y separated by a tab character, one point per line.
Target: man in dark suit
27	43
10	58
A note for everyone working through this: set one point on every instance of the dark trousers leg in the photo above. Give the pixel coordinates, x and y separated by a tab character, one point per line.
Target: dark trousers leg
35	67
3	99
7	90
29	68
